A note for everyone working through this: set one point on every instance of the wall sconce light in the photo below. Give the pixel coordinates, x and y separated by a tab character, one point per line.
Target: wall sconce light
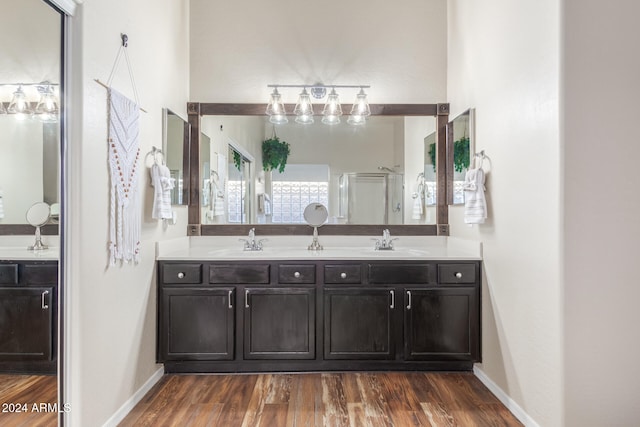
24	98
304	107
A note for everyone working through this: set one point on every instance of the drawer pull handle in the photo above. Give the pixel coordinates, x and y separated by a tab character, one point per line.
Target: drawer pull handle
181	275
393	299
230	295
459	275
409	300
43	302
246	298
343	275
296	274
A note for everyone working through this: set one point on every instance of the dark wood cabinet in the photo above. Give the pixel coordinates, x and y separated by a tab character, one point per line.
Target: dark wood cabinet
197	324
303	315
358	323
26	319
279	323
28	316
441	324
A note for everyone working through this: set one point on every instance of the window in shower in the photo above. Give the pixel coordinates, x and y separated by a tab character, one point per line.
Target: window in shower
295	188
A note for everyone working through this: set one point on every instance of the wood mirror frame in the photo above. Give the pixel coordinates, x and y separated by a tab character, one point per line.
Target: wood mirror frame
196	110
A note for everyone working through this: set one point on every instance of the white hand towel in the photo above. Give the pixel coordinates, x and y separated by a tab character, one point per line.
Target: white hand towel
475	204
418	209
162	185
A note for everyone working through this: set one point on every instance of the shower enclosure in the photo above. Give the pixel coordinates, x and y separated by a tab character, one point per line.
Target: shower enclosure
371	198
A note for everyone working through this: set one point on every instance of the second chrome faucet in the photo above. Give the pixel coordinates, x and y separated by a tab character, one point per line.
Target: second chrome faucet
250	243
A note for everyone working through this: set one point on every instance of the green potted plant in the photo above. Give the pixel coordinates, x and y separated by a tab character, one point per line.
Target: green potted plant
461	158
274	154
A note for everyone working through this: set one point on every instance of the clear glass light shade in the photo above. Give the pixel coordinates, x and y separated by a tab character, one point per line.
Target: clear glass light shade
361	105
19	103
47	108
3	109
332	109
275	108
304	108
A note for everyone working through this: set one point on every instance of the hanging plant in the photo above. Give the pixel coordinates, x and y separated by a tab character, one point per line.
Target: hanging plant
237	159
461	154
274	154
461	158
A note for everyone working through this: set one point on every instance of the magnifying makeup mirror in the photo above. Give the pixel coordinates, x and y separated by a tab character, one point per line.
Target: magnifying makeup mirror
38	215
315	214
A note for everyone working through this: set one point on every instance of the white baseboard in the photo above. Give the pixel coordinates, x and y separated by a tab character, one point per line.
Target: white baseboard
122	412
507	401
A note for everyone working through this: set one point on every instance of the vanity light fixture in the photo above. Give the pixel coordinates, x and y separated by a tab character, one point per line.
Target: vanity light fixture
304	107
24	98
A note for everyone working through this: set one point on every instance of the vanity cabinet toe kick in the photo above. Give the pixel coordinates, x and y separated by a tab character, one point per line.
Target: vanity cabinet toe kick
257	315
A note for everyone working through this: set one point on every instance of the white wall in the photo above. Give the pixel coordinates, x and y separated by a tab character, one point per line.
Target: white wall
237	48
601	222
112	323
503	59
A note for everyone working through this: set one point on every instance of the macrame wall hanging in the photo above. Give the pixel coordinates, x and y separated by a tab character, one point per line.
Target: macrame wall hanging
124	160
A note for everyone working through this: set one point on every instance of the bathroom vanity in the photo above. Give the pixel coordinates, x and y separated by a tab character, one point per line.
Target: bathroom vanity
344	308
28	313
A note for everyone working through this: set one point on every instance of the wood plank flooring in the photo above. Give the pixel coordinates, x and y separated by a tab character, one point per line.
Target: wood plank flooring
21	392
321	399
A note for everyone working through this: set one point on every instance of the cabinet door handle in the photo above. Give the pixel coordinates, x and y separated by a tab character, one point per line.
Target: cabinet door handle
246	298
409	300
343	275
296	274
181	275
44	304
230	295
393	299
459	275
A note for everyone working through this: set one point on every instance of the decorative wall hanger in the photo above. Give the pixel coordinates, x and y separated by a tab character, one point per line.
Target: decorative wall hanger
123	48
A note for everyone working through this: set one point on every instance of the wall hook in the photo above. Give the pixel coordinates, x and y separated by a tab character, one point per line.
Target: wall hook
125	39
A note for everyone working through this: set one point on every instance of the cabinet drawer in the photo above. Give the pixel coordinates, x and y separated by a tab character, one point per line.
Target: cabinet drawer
348	273
291	273
182	273
39	274
8	274
239	273
401	273
456	273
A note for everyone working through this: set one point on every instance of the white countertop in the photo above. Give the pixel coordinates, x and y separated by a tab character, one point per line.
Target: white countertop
211	248
22	253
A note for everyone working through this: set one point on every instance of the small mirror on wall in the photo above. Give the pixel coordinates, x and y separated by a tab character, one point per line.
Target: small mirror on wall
176	133
460	146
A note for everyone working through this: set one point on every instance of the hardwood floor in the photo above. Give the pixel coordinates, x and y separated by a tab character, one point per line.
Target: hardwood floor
19	394
328	399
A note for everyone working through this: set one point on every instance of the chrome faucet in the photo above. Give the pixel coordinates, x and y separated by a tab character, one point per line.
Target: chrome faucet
386	243
251	244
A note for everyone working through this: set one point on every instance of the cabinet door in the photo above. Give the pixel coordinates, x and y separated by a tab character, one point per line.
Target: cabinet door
358	323
441	324
279	323
26	323
197	324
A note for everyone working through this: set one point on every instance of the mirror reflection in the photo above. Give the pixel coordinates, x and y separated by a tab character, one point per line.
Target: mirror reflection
176	136
362	174
29	99
461	134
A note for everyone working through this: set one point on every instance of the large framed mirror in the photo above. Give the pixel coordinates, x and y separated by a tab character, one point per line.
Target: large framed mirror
31	147
366	175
